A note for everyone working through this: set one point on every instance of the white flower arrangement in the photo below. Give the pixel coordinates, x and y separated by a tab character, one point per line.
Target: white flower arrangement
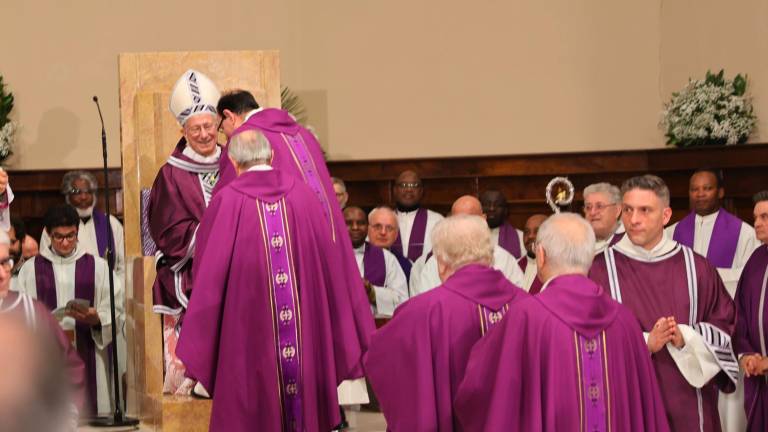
711	111
7	126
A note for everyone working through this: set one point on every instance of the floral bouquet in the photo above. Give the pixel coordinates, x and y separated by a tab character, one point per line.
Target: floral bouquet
7	127
713	111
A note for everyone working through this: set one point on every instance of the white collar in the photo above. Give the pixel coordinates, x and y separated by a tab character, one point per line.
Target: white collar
708	218
251	113
361	249
664	246
197	157
263	167
55	258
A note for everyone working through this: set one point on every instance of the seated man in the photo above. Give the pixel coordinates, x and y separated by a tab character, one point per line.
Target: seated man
602	208
267	312
503	233
383	278
569	359
416	361
527	263
425	275
383	232
64	272
415	222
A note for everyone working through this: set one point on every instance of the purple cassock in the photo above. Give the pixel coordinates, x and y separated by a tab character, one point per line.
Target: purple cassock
416	361
297	153
509	240
568	359
685	285
752	333
178	199
416	237
266	332
724	240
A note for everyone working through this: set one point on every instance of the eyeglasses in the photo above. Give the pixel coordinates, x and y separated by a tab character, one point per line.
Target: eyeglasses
61	237
386	228
7	263
597	207
196	130
404	185
76	191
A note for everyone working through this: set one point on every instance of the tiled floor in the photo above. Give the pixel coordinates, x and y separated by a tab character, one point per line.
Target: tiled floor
358	422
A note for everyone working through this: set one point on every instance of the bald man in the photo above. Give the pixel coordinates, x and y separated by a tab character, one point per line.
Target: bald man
384	280
527	263
424	274
416	223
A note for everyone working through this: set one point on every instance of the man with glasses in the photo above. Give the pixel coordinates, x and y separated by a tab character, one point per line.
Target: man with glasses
416	223
80	191
341	191
180	195
75	285
602	208
383	232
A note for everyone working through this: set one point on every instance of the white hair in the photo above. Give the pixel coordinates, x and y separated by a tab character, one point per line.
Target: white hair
613	192
568	241
250	148
4	238
69	178
461	240
340	182
383	208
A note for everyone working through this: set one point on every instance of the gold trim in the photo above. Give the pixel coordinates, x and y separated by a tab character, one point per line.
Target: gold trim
295	291
482	320
607	383
578	374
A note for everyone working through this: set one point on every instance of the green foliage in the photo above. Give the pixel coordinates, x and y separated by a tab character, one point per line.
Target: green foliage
6	103
291	102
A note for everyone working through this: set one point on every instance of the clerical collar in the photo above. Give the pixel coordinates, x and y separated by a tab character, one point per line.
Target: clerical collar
665	246
707	218
360	249
251	113
197	157
85	219
403	209
263	167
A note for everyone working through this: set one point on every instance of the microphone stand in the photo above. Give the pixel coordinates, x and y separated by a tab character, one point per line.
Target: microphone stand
118	419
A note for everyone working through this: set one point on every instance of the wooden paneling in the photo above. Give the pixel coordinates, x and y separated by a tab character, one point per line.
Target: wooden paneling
36	191
523	178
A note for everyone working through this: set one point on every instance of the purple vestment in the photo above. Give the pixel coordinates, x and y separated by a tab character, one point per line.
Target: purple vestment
416	238
176	206
416	361
724	240
752	334
660	287
267	332
84	289
568	359
509	240
297	153
374	266
105	238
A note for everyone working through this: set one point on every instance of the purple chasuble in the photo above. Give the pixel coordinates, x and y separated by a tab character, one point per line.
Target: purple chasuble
752	333
661	287
722	244
416	239
176	206
84	289
568	359
374	266
509	239
416	362
268	332
104	236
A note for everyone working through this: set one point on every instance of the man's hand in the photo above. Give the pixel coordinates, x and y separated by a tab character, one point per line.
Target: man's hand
369	290
677	335
3	181
660	334
86	315
749	363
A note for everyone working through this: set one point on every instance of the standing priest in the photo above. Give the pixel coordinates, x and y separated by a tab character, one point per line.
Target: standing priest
267	333
681	304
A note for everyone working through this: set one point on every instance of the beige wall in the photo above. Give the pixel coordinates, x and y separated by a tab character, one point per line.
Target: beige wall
394	79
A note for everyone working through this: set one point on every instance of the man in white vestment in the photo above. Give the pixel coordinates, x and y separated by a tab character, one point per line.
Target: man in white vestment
425	275
602	208
527	262
415	222
75	286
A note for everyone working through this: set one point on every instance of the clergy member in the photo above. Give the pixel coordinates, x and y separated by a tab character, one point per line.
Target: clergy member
267	333
180	194
383	232
297	153
64	272
680	302
602	208
79	189
751	336
527	263
496	211
425	274
416	361
569	359
415	222
342	196
383	278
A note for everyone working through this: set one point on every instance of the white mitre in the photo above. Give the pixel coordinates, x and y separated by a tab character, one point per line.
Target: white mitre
193	94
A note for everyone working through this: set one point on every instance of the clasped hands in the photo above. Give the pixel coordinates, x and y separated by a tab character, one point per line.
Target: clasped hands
665	331
754	365
84	314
